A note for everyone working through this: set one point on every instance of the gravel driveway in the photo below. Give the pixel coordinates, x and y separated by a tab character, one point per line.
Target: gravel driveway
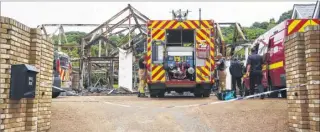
132	114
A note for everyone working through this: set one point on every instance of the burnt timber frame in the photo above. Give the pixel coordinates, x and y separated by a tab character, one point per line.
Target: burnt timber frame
102	33
238	38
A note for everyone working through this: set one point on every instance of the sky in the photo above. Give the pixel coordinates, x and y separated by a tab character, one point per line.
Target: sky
36	13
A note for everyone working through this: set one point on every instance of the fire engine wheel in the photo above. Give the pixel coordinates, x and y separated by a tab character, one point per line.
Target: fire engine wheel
55	94
199	95
161	94
152	95
270	88
206	93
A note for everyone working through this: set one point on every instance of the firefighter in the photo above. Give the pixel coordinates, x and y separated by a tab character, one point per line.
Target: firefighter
254	71
142	75
221	74
236	71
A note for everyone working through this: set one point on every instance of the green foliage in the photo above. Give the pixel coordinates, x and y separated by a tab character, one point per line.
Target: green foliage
253	33
284	16
255	30
73	37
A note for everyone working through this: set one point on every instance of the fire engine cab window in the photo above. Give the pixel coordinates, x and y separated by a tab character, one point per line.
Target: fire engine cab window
63	61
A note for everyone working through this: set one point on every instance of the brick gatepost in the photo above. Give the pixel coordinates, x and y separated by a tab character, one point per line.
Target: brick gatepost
302	52
312	46
20	44
295	75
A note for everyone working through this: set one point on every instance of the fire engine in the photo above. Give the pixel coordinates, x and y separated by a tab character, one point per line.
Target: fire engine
270	45
180	55
63	68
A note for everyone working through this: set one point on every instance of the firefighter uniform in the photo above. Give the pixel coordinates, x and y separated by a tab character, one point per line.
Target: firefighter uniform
221	73
222	80
255	72
142	77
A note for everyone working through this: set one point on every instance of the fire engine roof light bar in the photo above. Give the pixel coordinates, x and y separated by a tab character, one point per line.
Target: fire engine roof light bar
179	15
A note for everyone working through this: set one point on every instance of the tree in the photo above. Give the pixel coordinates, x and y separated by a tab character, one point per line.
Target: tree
284	16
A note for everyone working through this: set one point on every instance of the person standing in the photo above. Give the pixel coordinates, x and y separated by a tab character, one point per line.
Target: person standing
235	70
142	76
220	64
254	71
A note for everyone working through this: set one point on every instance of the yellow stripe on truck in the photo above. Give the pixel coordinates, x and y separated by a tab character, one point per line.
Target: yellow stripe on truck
276	65
271	66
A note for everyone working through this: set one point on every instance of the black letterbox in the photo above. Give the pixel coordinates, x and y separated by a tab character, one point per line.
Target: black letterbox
23	81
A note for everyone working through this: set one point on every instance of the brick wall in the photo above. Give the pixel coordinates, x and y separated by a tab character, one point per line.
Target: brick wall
295	74
312	45
20	44
302	52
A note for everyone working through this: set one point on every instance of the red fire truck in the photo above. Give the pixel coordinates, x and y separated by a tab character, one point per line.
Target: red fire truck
271	46
63	68
180	56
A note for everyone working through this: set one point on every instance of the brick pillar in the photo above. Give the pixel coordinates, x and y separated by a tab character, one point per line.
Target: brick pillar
44	120
296	74
21	45
15	46
34	59
312	46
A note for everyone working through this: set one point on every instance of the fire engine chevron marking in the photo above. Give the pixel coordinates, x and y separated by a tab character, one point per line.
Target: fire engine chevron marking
154	32
160	35
205	24
158	77
300	24
195	23
317	21
165	23
310	22
192	25
204	71
202	36
201	74
205	32
160	25
207	65
156	24
185	25
293	24
177	25
162	78
156	71
199	77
